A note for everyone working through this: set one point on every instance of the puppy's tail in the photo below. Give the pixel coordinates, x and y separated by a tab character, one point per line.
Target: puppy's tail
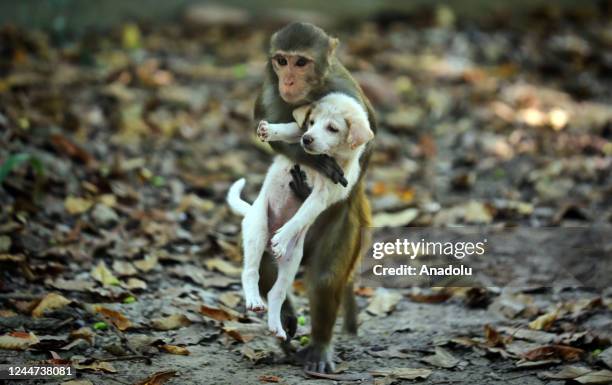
238	206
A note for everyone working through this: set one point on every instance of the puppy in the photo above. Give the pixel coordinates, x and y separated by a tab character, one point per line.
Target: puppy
337	126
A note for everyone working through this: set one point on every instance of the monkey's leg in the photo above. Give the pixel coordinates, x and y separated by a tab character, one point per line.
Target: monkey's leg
350	309
255	237
267	278
287	269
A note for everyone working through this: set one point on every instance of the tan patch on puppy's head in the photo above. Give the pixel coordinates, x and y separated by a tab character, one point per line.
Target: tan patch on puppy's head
359	132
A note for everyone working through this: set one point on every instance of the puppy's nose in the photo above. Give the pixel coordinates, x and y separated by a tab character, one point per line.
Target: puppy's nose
307	139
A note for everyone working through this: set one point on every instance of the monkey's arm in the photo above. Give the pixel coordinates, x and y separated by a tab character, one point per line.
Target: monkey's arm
298	183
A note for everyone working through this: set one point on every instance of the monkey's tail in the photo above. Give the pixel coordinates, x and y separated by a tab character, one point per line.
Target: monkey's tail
238	206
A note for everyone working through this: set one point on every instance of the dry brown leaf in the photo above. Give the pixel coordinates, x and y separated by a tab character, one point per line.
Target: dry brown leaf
147	264
493	337
223	266
158	378
134	284
430	298
231	250
96	366
174	349
76	205
218	314
545	321
84	333
230	299
269	378
442	359
50	302
12	257
117	319
566	353
364	291
383	302
102	274
403	373
6	313
18	340
172	322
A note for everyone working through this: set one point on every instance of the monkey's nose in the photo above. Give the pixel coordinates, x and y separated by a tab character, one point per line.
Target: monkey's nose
307	139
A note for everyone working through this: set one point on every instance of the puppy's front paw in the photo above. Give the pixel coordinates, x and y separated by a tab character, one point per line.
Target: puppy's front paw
280	242
263	132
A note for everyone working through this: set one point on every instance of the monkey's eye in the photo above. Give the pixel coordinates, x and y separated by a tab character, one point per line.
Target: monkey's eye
312	122
331	128
281	61
301	62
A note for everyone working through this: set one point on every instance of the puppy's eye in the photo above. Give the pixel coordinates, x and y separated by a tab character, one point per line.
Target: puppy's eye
312	122
331	128
281	61
301	62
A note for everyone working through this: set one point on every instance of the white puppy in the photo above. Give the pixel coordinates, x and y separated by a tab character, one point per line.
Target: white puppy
336	125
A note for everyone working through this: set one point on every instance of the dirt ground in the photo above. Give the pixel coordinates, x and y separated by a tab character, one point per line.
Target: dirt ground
119	256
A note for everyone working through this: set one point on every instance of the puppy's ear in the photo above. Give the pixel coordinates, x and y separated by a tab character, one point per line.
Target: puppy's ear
359	132
302	113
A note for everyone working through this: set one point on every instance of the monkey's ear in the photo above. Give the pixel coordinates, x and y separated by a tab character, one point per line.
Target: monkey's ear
300	114
333	44
359	132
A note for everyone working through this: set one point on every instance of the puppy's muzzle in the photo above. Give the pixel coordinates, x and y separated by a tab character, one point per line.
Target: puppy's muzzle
307	140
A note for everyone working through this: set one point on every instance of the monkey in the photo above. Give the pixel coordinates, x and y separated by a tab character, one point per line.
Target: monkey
302	67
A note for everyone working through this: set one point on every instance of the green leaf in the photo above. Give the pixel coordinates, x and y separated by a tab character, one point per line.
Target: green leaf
11	163
100	326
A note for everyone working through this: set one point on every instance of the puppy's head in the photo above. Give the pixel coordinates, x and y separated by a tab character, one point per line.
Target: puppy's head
335	125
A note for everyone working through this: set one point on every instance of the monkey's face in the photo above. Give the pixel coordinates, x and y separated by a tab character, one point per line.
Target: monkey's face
296	73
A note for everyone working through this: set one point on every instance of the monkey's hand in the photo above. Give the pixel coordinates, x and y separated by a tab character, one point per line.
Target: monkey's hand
298	185
330	168
263	132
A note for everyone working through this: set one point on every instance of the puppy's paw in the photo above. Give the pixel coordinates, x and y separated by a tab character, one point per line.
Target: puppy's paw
280	243
263	131
255	304
277	329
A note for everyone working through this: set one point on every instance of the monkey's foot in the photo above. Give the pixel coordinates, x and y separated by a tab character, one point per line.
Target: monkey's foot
317	358
276	328
255	304
263	132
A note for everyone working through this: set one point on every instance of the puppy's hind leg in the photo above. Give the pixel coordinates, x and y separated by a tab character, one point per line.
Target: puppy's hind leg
255	236
287	269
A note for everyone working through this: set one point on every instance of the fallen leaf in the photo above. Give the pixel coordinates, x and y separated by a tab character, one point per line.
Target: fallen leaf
76	205
364	291
174	349
493	337
230	299
84	333
96	366
545	321
529	335
566	353
606	357
12	258
269	378
598	377
218	314
442	359
147	264
18	340
383	302
124	268
430	298
117	319
78	382
102	274
223	266
401	218
172	322
158	378
403	373
134	284
71	285
231	250
50	302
